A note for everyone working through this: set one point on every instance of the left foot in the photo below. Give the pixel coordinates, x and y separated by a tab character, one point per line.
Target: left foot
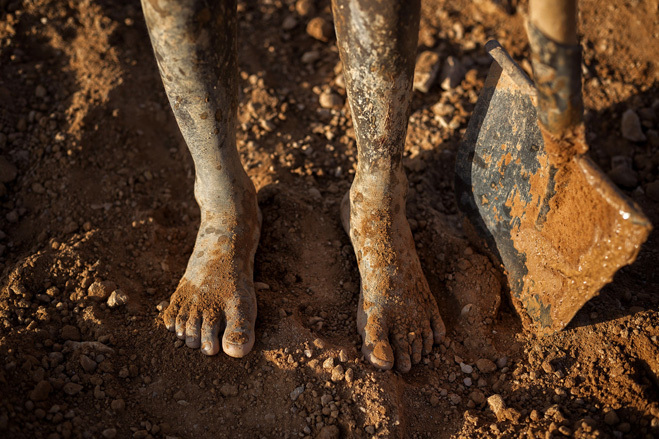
397	315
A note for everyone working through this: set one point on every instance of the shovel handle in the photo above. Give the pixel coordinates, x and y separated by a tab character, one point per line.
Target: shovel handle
556	59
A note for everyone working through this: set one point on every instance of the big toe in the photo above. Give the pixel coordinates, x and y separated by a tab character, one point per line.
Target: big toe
238	341
376	347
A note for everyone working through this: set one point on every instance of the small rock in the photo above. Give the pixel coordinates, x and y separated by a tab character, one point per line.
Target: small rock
261	286
87	363
310	56
467	382
624	176
320	29
140	434
350	375
477	396
337	373
117	298
440	109
485	365
452	73
631	126
41	391
101	290
40	91
304	7
118	405
498	406
343	357
502	362
162	305
465	368
289	23
295	394
329	99
455	399
38	188
652	190
611	418
328	363
72	388
228	390
109	433
425	72
328	432
70	332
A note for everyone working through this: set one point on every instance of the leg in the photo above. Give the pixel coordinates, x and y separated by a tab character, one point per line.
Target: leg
195	45
377	44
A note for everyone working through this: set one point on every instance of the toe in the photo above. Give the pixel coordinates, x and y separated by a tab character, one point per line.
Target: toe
192	330
210	343
169	316
417	347
402	353
376	348
238	337
181	322
438	328
427	340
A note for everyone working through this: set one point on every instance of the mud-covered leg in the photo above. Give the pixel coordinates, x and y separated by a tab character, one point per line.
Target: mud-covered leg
397	315
195	45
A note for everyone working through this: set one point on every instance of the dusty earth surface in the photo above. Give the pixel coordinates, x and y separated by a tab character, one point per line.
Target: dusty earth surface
98	220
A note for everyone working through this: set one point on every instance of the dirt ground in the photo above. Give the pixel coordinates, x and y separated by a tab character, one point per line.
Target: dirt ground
96	193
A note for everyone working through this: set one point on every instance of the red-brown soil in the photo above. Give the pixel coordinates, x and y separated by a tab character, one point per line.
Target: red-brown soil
103	193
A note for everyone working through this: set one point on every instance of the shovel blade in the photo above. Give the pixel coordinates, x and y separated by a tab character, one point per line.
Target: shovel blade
561	232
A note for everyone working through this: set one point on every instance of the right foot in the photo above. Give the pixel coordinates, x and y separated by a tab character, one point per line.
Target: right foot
397	315
217	289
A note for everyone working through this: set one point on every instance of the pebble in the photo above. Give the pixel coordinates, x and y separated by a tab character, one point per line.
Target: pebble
261	286
497	406
310	56
328	363
477	396
320	29
118	405
304	7
624	176
452	73
40	91
631	126
440	109
343	357
162	305
289	23
467	382
41	391
329	99
87	364
295	394
502	362
611	418
72	388
455	399
228	390
350	375
117	298
652	190
328	432
70	332
465	368
485	365
101	290
109	433
337	373
425	71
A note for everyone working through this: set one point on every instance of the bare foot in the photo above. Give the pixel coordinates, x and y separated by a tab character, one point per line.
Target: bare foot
217	289
397	315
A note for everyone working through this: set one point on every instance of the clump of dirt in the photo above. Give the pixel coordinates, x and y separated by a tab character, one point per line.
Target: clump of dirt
97	202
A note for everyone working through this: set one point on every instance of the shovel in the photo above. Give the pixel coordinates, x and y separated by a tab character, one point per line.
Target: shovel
543	208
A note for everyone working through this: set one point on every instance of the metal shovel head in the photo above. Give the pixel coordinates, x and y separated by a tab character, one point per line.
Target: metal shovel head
561	232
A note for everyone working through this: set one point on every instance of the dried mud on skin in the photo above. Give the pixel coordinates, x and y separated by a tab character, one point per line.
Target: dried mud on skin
96	198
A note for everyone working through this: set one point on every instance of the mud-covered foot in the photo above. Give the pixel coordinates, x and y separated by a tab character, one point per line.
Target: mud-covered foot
217	289
397	315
